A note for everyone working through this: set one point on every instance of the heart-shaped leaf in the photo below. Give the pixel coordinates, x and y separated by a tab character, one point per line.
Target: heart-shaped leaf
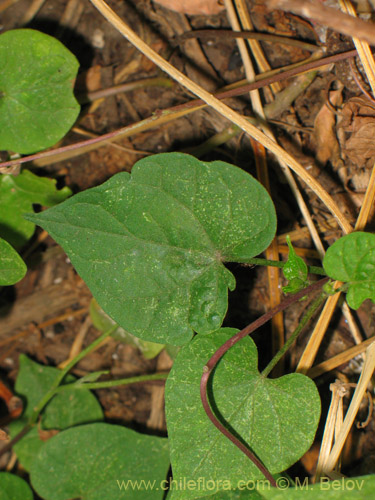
351	259
12	267
68	408
276	418
14	488
37	105
101	461
103	322
17	195
151	246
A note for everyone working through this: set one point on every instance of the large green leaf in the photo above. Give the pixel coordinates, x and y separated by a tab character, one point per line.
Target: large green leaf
352	259
101	462
276	418
14	488
37	105
17	195
12	267
348	488
151	246
68	408
103	322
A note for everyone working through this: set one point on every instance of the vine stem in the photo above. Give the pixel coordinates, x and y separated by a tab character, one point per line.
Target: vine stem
105	384
215	358
306	318
180	110
256	261
56	388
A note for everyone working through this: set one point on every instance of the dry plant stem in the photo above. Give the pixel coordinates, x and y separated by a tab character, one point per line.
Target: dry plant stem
77	344
338	390
363	48
167	115
124	87
277	323
366	374
5	4
31	12
316	303
223	109
255	46
340	359
251	35
327	16
315	340
258	109
212	362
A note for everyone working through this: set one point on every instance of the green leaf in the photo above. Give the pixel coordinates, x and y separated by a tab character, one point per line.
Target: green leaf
99	461
276	418
351	259
17	195
37	104
68	408
12	267
151	246
14	488
295	271
351	488
103	322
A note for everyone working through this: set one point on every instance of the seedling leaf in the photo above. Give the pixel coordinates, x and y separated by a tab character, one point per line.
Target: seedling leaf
68	408
151	246
276	418
12	267
295	271
14	488
17	195
97	461
37	105
351	259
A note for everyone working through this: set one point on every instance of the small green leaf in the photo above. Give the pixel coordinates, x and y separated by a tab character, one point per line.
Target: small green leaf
17	195
37	104
295	271
12	267
151	246
276	418
351	259
68	408
103	322
14	488
348	488
101	462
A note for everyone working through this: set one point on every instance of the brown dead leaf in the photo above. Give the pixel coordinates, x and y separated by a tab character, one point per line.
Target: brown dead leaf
328	148
359	124
193	7
46	435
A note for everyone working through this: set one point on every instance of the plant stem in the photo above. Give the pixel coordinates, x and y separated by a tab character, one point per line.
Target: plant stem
215	358
277	263
306	318
112	383
52	391
137	127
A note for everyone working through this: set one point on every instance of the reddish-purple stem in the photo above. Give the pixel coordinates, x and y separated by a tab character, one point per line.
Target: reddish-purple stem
215	358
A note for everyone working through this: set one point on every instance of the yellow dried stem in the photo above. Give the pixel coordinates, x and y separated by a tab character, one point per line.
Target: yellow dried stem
363	48
224	110
366	374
